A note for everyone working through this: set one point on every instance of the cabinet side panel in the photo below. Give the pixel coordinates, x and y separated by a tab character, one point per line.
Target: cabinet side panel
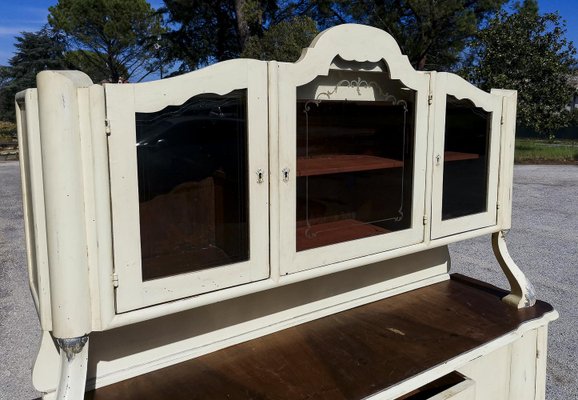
33	199
523	367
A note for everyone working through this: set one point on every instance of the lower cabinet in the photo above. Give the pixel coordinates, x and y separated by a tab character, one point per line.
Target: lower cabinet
515	371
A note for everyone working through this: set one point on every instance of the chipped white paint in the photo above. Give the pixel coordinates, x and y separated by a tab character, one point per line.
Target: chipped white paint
82	224
64	201
73	367
522	291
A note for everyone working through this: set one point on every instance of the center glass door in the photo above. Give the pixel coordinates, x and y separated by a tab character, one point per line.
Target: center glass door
355	180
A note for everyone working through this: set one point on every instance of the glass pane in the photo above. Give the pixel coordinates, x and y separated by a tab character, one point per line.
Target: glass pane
355	137
192	180
465	182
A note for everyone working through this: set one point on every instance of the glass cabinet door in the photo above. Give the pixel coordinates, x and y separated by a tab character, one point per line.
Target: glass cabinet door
354	189
192	183
189	185
466	157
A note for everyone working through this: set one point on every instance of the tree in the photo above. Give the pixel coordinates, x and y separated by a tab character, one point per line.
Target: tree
283	41
432	34
208	32
116	37
527	52
35	52
91	64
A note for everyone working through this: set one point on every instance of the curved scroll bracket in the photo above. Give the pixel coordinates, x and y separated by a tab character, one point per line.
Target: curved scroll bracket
522	293
73	367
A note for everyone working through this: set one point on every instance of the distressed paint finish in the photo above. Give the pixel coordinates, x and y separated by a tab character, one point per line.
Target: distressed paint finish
378	53
450	84
64	200
522	291
79	170
73	367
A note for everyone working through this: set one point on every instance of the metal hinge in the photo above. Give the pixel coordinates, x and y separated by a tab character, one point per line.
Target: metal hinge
502	120
430	99
107	127
425	219
115	280
498	205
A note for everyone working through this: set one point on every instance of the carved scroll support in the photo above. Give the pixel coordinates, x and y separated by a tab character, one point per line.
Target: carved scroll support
522	293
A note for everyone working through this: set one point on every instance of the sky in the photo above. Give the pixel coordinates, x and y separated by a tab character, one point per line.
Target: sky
30	15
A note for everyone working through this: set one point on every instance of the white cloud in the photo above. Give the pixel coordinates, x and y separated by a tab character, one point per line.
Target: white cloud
12	31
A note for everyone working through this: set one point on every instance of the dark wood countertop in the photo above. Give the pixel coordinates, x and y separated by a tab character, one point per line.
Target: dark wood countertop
348	355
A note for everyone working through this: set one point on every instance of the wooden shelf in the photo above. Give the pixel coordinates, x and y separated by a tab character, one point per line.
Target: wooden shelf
350	355
339	163
334	232
457	156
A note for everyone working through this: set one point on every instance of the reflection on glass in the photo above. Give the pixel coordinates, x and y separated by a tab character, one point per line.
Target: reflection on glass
465	181
354	160
192	180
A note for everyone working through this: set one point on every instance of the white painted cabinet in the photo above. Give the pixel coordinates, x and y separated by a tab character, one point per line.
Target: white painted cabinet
301	183
247	175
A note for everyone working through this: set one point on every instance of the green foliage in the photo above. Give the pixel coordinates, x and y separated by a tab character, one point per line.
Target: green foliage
432	34
7	131
208	31
527	52
282	42
114	37
35	52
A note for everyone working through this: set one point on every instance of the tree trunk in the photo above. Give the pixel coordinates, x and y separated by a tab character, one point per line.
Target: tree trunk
242	24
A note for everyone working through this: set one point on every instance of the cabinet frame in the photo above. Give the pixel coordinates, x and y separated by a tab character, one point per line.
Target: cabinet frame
122	104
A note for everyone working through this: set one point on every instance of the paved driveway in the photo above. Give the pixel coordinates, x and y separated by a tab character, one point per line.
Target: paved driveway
543	241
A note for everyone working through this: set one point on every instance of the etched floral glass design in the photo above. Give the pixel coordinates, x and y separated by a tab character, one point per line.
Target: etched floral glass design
355	139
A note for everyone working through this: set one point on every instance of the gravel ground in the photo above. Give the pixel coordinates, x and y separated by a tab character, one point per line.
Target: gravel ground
19	326
543	241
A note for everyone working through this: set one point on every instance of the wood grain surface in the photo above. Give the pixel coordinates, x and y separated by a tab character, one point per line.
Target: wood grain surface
348	355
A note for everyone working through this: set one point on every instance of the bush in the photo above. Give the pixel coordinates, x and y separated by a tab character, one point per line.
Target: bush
7	131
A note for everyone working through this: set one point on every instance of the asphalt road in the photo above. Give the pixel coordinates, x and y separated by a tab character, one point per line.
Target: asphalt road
543	241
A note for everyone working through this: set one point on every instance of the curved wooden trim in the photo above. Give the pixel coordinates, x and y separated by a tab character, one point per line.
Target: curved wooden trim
220	79
357	43
461	89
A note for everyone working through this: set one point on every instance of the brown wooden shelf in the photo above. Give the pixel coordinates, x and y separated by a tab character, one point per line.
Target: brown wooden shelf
339	163
350	355
334	232
458	156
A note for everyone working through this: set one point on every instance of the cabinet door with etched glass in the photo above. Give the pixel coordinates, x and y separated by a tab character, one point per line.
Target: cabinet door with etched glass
357	183
189	184
466	157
